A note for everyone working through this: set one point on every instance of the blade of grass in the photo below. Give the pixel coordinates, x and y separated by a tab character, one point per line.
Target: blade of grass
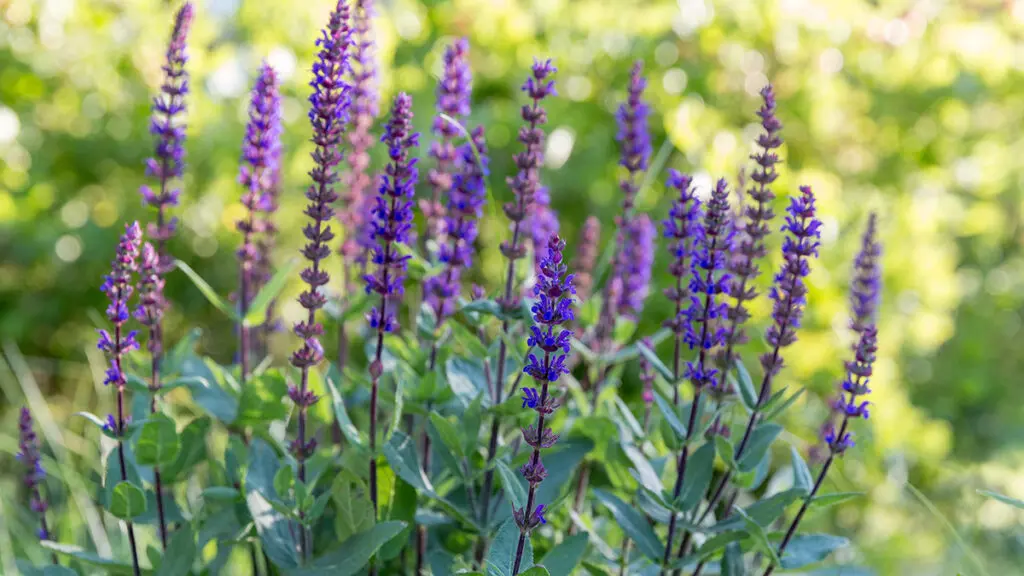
16	365
968	552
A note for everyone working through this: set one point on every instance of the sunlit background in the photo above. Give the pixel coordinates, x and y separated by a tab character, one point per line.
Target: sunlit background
911	108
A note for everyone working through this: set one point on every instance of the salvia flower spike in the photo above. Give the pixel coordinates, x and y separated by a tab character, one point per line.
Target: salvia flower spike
167	125
32	459
754	227
552	311
119	286
271	154
392	220
789	298
525	184
865	291
679	229
454	89
543	224
328	115
586	256
638	258
709	282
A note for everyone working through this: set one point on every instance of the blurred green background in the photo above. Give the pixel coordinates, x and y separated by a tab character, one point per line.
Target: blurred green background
912	108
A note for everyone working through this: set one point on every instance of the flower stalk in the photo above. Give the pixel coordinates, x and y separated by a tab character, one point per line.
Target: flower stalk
30	456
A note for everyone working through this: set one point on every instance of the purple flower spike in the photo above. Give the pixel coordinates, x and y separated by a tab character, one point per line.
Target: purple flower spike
754	227
526	183
168	126
328	115
554	292
586	256
465	206
680	228
365	108
151	300
867	281
453	94
543	223
393	215
634	136
789	292
30	457
638	257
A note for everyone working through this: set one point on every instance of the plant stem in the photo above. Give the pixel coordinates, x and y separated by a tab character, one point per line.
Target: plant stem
524	531
120	444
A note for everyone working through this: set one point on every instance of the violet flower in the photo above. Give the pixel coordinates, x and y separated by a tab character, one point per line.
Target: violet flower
263	268
392	220
256	176
586	256
638	257
453	94
465	207
543	224
524	185
864	299
167	124
709	281
328	115
679	228
118	286
754	228
553	309
365	107
29	455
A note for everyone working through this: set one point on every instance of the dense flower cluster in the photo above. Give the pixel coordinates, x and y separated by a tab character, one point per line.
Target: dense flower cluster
453	98
586	256
679	228
753	226
543	224
637	259
119	286
151	295
268	150
634	136
526	182
393	215
167	124
29	456
465	207
553	309
789	292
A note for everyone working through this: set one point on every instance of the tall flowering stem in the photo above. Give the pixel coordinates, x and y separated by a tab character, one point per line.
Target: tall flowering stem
357	181
166	166
637	260
524	185
789	297
709	281
679	229
586	256
553	309
271	182
864	298
392	220
30	457
453	95
328	115
118	286
755	226
256	176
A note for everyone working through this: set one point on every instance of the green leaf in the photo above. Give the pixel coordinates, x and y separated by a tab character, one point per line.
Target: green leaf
348	429
656	363
756	532
512	483
181	552
834	499
642	470
108	565
467	380
1004	499
257	312
561	465
276	532
112	474
725	451
99	422
633	524
806	549
773	412
262	399
699	468
211	295
502	555
764	512
732	561
284	481
221	494
353	554
536	571
193	450
802	478
127	501
403	458
157	443
760	440
448	433
562	559
747	393
354	510
218	397
175	357
403	509
57	570
671	416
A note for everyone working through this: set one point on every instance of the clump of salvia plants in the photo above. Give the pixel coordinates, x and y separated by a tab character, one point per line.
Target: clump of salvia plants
525	427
